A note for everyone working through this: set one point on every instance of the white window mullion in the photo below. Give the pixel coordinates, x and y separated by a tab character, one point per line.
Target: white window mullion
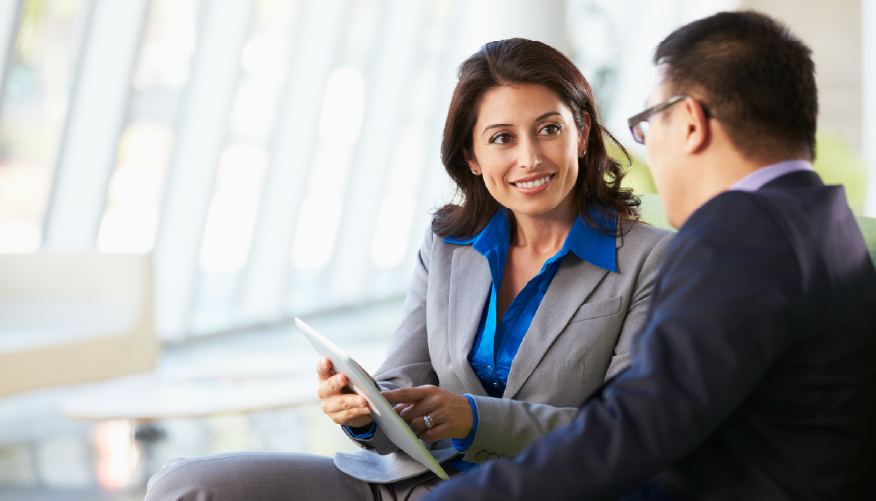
436	188
265	278
10	14
200	135
97	113
386	89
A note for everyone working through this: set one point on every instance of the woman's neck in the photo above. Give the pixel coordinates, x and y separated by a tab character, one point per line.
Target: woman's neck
544	233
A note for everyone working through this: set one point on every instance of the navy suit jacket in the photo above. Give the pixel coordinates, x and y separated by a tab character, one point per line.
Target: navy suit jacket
753	378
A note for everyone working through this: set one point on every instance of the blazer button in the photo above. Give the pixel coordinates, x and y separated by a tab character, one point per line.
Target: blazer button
489	370
482	455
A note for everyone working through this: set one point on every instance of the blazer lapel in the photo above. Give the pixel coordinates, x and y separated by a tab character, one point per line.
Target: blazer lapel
470	287
572	285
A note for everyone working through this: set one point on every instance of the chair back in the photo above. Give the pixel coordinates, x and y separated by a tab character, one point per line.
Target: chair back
74	317
651	211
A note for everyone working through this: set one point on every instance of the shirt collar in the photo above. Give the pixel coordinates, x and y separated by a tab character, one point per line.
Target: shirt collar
584	240
496	231
755	180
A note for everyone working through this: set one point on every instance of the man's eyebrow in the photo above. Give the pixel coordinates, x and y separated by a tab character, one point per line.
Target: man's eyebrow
542	117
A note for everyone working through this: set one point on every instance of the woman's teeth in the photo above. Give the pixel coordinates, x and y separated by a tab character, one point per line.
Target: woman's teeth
533	184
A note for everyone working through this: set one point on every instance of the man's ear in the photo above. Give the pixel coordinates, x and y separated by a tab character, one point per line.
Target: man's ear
698	134
472	162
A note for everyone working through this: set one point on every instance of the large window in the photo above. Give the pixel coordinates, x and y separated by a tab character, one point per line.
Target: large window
276	157
32	115
243	163
133	206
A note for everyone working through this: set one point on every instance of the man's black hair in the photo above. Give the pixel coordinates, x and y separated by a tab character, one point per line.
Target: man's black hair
753	75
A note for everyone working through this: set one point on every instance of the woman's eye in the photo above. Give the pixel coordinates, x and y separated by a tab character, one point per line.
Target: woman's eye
551	129
501	138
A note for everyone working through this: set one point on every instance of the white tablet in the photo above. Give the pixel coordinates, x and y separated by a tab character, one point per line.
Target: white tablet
381	410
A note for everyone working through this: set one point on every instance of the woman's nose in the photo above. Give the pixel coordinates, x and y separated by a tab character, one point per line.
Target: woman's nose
528	154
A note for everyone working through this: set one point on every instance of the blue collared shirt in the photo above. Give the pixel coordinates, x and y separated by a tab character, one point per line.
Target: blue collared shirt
496	343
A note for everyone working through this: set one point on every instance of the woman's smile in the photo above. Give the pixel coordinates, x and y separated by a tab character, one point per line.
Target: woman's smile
534	184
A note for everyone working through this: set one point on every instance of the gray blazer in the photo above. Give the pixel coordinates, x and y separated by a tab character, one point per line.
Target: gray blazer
580	337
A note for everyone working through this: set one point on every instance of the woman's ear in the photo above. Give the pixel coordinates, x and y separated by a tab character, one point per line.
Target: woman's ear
583	134
472	162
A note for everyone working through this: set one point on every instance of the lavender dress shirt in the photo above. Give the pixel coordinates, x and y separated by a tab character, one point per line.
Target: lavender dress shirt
762	176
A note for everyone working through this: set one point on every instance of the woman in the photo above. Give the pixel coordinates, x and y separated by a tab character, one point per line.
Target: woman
523	302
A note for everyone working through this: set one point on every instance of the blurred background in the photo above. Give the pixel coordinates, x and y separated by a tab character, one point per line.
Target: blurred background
180	178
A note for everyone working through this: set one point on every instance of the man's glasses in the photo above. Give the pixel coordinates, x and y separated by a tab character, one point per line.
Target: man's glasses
639	123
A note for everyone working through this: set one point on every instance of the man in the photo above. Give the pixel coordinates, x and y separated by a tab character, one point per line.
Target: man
755	375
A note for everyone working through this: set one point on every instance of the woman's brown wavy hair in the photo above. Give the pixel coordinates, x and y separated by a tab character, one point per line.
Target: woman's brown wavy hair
517	61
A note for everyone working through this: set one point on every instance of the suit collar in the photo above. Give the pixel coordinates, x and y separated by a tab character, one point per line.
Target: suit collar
758	178
583	239
574	282
800	179
470	286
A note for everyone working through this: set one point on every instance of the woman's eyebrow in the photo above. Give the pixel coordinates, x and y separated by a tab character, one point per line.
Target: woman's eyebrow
494	126
542	117
548	114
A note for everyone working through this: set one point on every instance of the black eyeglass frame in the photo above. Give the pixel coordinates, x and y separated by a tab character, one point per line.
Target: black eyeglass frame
635	121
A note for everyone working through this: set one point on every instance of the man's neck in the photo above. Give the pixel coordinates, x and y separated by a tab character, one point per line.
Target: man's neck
719	172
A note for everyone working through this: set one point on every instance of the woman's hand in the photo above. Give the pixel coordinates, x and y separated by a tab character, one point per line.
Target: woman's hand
450	413
340	403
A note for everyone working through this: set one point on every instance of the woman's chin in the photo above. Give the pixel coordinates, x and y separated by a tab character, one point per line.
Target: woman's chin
535	211
542	207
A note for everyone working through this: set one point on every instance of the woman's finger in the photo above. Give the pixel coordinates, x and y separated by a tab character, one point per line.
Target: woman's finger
420	409
400	407
341	403
342	407
344	417
324	369
418	425
435	433
406	395
331	386
353	418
